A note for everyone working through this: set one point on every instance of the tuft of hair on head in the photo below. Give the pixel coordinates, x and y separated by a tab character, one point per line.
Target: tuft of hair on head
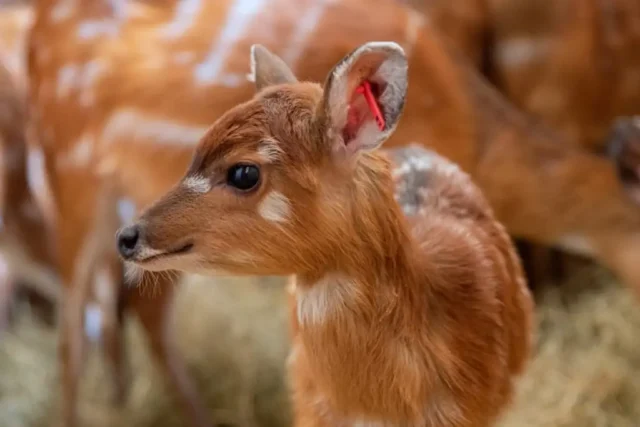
364	94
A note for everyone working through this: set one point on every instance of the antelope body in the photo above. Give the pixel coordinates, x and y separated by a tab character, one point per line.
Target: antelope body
420	322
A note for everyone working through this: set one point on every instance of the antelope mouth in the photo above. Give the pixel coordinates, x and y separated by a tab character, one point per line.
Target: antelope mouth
180	250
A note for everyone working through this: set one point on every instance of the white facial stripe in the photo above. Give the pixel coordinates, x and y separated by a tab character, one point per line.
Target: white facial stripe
197	184
269	150
275	207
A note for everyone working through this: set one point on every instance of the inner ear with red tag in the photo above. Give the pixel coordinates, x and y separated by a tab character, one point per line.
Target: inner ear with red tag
364	96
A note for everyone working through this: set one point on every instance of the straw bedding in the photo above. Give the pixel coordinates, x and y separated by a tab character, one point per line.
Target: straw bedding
233	333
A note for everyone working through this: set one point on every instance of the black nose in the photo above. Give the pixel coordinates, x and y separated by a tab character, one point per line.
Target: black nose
127	239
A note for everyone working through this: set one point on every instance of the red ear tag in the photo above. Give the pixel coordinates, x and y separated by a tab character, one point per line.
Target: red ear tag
365	90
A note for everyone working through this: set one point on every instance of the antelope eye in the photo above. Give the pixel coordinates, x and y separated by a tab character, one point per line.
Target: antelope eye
243	176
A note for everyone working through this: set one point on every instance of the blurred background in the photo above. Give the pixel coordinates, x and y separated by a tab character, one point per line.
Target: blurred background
98	102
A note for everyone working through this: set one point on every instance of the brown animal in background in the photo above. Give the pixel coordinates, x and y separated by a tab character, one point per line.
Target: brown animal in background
25	256
421	321
570	63
122	92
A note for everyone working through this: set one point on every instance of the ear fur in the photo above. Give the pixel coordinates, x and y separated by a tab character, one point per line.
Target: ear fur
268	69
347	116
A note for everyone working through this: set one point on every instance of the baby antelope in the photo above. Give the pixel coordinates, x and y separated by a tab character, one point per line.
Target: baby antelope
414	318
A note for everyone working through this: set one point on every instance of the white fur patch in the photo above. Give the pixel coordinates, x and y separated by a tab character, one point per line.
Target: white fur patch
239	18
147	252
93	322
186	14
321	299
576	244
91	29
520	51
415	21
275	207
105	285
133	125
62	10
132	274
305	25
269	150
67	77
79	155
197	184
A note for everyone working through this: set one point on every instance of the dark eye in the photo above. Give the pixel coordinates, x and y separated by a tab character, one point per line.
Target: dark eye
242	176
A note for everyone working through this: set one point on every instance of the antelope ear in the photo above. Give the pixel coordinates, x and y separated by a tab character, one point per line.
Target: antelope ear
268	69
364	97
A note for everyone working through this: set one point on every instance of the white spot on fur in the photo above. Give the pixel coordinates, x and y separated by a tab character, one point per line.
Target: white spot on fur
36	174
275	207
67	76
317	301
79	155
105	285
576	244
197	184
132	125
62	10
304	28
415	21
186	13
93	322
520	51
126	211
89	75
240	15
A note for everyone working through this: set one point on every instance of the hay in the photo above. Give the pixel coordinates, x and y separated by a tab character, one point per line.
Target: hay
233	335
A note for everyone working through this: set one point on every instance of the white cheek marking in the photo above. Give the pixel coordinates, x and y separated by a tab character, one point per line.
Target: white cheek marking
126	211
321	299
576	244
197	184
186	13
520	51
238	19
132	125
79	155
275	207
93	322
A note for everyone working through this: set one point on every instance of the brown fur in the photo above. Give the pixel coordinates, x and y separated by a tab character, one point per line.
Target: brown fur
432	317
525	173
